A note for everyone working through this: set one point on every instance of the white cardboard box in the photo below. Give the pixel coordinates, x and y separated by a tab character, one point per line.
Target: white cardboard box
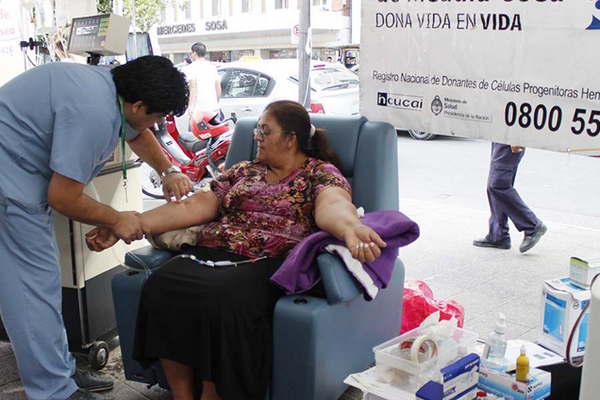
583	269
506	386
562	302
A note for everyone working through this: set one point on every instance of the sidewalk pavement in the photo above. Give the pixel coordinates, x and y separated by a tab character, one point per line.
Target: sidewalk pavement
484	281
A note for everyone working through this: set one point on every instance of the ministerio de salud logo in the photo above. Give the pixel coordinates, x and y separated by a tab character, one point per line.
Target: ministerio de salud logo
436	105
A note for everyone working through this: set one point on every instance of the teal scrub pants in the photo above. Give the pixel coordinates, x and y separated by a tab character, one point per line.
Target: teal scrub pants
30	301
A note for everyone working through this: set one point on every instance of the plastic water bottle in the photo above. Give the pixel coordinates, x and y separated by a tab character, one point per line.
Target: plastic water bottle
495	344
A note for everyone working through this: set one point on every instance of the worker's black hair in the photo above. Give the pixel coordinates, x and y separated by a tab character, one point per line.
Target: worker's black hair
155	81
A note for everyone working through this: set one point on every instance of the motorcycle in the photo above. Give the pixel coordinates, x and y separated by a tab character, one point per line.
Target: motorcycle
199	152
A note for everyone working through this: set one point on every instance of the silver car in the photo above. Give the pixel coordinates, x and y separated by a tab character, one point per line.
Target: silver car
249	86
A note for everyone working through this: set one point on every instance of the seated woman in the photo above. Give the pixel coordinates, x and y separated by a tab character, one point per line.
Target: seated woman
214	325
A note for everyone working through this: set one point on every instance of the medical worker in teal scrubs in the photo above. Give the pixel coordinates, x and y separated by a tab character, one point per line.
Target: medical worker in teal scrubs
59	124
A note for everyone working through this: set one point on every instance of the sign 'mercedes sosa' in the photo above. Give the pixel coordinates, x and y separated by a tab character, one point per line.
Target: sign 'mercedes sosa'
523	72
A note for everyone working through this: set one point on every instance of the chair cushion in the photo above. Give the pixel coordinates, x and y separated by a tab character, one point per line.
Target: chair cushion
376	188
147	258
342	134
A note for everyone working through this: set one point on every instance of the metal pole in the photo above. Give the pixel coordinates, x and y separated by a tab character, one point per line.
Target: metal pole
303	54
350	15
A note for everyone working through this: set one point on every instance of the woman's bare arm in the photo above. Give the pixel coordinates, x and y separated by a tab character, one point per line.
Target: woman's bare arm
335	214
198	209
201	208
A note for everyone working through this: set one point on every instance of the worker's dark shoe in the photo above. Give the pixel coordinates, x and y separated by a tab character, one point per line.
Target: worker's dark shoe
92	382
531	240
485	242
81	394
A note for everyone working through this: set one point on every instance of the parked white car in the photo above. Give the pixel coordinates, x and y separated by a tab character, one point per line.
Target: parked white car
249	86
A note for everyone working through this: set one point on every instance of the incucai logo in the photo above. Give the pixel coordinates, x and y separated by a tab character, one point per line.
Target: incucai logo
595	24
403	101
436	105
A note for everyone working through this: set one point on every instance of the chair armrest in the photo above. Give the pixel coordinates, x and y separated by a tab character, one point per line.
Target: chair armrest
339	285
147	258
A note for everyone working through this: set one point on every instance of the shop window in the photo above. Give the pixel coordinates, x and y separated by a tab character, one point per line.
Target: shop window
282	53
219	56
182	9
241	54
281	4
324	4
245	6
216	8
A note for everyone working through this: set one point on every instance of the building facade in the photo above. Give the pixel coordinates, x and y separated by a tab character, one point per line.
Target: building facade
232	29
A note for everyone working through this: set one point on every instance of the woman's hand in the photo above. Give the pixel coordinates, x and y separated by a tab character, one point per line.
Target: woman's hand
99	239
176	185
363	242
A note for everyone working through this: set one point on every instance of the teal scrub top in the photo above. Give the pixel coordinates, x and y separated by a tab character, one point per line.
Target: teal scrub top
58	117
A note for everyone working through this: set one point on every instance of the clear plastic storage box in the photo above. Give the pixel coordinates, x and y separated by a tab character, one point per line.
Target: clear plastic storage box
395	353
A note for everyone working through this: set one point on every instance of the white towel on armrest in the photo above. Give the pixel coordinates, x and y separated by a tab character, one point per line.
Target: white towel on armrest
355	267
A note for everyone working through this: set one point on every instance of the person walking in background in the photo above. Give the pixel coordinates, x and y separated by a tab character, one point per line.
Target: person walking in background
204	82
506	203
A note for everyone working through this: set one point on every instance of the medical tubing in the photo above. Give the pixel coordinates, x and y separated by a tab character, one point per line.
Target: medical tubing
222	263
208	263
575	326
138	259
29	59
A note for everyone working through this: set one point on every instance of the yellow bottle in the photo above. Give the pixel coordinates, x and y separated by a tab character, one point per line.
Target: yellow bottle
522	366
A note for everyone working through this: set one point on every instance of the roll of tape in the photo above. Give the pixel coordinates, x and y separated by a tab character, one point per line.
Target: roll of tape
423	349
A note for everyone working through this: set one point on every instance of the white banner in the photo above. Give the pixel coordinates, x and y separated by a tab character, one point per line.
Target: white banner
523	72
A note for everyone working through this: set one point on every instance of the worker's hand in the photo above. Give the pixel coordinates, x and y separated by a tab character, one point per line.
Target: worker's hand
128	227
516	149
99	239
176	185
363	242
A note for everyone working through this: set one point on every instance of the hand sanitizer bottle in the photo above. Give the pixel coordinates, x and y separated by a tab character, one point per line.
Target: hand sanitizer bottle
495	344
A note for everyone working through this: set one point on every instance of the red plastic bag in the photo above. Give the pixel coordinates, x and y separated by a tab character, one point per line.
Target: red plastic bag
419	303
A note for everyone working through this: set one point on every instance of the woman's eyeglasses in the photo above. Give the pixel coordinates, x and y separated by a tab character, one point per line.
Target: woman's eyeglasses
261	132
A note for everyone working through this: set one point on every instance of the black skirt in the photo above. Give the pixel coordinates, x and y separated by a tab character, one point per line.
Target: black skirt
216	320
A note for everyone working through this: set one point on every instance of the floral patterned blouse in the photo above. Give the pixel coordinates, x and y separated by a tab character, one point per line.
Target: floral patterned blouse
261	219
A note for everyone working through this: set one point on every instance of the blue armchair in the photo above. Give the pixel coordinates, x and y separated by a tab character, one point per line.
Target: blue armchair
317	341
